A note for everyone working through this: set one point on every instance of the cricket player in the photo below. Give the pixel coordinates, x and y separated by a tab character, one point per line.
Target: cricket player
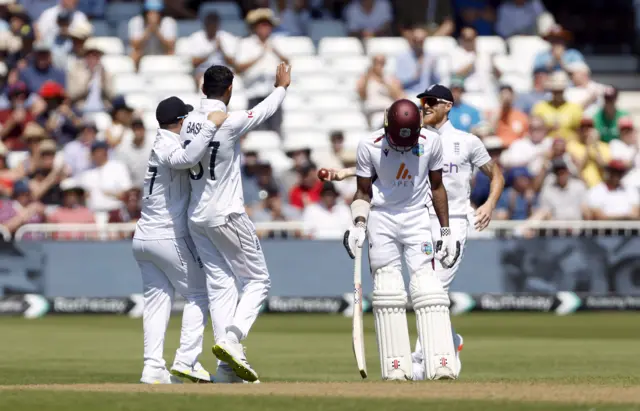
399	170
462	153
164	251
223	234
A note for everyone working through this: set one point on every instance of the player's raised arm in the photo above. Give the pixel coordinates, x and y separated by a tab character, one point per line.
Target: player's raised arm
244	121
330	174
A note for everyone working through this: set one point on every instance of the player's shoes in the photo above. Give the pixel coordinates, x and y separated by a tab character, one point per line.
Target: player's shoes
196	374
158	376
418	364
228	376
233	354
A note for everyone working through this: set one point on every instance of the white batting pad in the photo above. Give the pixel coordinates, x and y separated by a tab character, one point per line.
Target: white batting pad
431	304
390	313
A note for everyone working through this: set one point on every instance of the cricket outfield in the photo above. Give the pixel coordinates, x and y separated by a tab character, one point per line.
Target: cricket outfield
510	362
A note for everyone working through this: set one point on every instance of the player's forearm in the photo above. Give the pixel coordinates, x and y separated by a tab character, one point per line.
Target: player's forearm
269	105
345	173
183	158
441	204
492	170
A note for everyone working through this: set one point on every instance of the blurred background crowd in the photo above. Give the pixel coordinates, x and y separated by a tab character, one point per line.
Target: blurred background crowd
553	99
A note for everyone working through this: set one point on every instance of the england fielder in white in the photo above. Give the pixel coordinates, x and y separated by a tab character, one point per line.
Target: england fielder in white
224	236
462	153
399	169
164	251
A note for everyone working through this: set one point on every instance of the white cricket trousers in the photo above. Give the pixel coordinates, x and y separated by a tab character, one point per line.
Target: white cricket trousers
396	234
167	266
231	253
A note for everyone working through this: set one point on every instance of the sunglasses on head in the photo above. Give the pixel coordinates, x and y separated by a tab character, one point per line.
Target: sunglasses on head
431	101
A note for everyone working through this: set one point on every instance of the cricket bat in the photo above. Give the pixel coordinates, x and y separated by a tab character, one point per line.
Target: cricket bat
358	328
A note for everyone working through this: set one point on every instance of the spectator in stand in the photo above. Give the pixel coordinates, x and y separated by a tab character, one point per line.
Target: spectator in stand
59	118
328	218
89	86
589	153
511	124
563	199
562	117
585	92
416	69
41	69
307	191
44	182
300	153
65	58
130	210
4	14
22	36
121	117
369	18
462	115
435	15
152	33
250	190
21	209
559	57
331	159
625	148
606	120
211	46
134	152
610	200
531	150
476	70
519	17
106	182
519	201
479	14
72	211
6	175
526	101
378	90
274	209
77	153
255	59
15	119
47	25
481	184
61	44
295	17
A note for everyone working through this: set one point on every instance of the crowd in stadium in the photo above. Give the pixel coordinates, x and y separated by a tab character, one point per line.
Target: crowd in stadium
80	80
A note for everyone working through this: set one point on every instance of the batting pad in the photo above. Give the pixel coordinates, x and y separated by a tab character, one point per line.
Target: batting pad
431	304
390	314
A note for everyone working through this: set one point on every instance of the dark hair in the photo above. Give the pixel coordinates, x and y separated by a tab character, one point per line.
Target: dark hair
211	18
217	80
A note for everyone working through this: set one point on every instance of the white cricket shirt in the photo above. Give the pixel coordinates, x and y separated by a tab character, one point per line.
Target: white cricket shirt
401	179
216	183
462	152
166	185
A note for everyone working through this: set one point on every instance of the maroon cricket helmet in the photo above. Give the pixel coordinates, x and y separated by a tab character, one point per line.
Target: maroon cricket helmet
402	124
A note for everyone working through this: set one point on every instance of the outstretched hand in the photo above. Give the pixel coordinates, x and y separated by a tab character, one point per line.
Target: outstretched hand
283	75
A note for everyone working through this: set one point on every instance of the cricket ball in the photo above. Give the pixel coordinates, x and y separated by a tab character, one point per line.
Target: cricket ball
323	174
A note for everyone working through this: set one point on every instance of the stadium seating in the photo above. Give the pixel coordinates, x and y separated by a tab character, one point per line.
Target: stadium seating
523	50
340	46
388	46
261	140
110	45
127	83
118	64
305	140
188	27
294	46
226	10
164	64
321	29
172	83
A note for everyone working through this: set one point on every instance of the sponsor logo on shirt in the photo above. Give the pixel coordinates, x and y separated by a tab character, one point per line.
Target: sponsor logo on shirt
250	114
456	147
403	178
418	150
451	168
426	248
386	152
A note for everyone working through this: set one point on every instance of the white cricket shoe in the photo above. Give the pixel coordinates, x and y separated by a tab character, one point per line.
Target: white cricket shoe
224	376
418	363
158	376
196	374
233	354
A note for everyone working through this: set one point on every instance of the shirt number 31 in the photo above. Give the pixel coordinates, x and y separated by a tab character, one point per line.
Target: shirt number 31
197	175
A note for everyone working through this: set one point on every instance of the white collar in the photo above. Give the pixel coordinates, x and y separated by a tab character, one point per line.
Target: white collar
167	133
212	105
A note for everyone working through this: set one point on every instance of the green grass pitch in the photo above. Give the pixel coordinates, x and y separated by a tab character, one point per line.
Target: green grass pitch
510	362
